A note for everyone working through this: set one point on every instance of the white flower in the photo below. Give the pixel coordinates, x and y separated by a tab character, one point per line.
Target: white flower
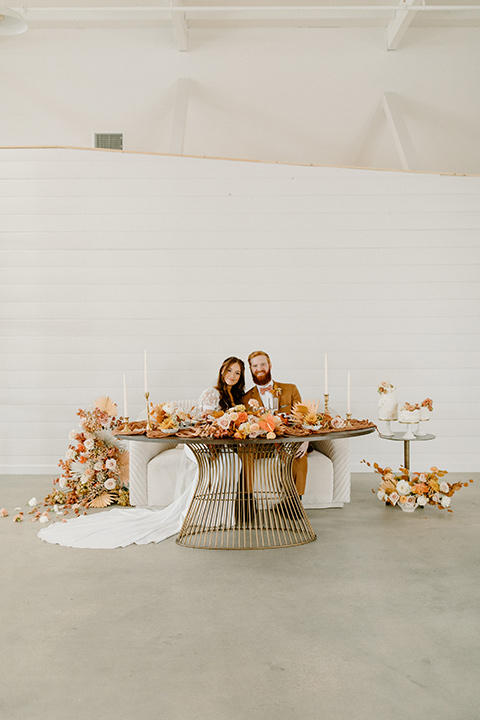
422	500
72	434
89	444
411	501
436	497
445	501
71	454
338	422
381	494
98	466
393	498
111	464
403	487
444	487
32	502
169	408
44	518
62	482
83	479
110	484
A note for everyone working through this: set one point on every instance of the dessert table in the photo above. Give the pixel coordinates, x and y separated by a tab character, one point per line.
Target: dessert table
245	496
400	436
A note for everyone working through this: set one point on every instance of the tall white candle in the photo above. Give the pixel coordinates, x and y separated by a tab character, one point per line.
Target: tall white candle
145	372
125	404
326	375
348	393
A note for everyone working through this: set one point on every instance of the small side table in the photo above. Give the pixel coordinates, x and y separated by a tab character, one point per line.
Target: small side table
406	444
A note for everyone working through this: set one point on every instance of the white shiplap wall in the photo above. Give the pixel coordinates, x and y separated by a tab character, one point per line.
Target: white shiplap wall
105	254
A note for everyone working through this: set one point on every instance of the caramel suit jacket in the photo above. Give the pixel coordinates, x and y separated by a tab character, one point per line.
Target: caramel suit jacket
286	400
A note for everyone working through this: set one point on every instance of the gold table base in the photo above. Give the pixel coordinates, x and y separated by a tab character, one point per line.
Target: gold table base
245	499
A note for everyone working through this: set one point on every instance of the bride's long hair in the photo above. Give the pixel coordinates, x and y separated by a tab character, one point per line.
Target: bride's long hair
231	395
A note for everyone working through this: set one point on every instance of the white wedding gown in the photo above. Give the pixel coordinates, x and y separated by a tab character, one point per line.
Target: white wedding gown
126	526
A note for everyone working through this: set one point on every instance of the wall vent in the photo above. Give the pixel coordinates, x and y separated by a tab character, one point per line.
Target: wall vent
110	141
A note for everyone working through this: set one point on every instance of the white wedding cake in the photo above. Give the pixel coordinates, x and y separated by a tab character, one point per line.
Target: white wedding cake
387	402
408	415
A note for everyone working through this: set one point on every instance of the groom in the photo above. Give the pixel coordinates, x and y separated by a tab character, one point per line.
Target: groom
266	391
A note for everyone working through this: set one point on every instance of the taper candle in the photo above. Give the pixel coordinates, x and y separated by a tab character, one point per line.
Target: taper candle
125	404
326	374
145	372
348	393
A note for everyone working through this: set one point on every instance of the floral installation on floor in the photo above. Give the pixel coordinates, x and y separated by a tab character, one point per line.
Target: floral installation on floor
94	472
416	490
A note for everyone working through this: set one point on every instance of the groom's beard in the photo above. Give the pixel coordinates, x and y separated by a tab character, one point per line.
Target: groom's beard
263	378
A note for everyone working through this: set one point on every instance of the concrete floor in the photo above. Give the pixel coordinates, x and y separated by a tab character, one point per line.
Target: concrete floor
377	619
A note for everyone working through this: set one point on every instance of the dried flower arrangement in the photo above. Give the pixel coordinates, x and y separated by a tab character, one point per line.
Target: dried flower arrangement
415	490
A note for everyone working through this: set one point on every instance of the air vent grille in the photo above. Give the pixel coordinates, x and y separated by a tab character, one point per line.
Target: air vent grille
110	141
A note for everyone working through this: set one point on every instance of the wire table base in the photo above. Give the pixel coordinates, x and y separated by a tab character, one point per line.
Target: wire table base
245	498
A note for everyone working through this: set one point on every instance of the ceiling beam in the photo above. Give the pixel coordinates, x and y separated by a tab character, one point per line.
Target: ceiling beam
401	136
397	27
179	122
180	27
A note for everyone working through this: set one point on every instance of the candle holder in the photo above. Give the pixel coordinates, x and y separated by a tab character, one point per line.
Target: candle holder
326	396
126	425
149	427
349	419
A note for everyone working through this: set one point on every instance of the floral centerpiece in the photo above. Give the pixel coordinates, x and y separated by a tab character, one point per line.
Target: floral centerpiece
95	471
307	415
168	418
416	490
238	422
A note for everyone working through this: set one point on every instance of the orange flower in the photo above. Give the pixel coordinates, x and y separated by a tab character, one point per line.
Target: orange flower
82	459
420	488
267	423
242	417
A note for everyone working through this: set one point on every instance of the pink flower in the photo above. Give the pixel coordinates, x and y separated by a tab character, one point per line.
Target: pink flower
254	404
224	422
98	466
89	473
338	422
110	484
3	512
89	444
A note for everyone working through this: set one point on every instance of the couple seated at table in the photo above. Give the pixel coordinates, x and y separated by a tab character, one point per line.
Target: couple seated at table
123	526
281	397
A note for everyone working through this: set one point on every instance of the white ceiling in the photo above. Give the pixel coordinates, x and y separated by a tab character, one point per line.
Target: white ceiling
396	16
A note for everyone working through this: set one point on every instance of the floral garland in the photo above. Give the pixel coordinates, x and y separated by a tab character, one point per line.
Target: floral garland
95	469
417	490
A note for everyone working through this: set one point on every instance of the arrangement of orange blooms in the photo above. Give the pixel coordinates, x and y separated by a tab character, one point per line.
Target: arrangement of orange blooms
95	470
416	490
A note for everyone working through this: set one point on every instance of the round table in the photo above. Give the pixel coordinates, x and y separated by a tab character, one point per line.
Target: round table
245	497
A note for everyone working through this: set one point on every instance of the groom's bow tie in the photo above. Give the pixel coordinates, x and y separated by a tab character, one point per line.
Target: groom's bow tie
267	388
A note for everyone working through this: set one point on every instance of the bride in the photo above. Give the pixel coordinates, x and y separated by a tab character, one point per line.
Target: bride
125	526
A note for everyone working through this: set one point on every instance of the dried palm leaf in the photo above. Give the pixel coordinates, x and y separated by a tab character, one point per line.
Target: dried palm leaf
306	407
101	501
107	405
123	467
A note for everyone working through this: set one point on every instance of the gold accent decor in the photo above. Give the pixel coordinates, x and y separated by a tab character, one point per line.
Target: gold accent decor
326	396
349	419
149	426
245	498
